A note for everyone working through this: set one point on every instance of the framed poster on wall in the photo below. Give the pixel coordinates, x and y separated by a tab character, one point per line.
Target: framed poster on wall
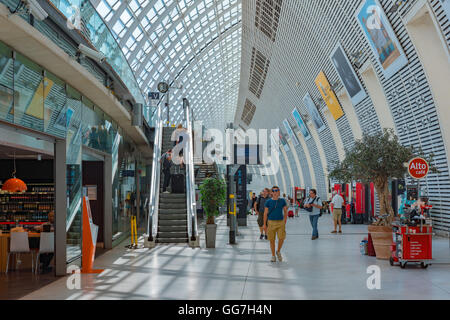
301	124
347	75
328	96
290	132
314	113
382	39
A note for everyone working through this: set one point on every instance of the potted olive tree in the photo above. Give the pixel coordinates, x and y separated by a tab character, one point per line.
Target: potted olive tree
212	195
377	158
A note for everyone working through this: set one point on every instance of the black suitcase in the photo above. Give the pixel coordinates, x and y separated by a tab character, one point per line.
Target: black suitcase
178	184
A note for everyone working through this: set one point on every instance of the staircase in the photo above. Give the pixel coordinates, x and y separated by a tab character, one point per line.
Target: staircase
74	233
172	218
204	171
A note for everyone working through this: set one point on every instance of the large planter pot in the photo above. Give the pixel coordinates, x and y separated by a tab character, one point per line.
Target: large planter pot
382	240
210	232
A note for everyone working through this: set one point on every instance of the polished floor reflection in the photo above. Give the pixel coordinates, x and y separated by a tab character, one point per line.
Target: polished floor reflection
329	268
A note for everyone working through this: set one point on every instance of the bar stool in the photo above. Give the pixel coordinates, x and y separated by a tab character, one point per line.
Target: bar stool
19	244
46	245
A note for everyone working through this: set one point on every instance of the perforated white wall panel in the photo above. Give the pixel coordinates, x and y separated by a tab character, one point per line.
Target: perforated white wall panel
306	35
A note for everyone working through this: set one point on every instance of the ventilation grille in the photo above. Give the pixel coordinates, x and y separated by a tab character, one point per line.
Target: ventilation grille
249	112
267	16
258	72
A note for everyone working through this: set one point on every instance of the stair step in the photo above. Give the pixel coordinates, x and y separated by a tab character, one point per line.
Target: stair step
173	205
172	235
172	211
73	235
176	240
73	242
172	196
181	228
165	216
169	223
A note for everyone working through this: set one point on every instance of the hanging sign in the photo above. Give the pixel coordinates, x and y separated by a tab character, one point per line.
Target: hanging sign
418	168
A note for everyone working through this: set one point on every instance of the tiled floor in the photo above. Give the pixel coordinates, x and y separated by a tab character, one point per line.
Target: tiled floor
329	268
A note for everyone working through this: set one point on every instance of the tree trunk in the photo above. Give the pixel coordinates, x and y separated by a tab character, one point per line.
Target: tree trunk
210	220
381	185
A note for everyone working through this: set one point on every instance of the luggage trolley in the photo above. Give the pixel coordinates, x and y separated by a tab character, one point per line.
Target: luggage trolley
412	243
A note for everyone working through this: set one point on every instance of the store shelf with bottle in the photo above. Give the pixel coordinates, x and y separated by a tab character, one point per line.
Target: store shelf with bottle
26	209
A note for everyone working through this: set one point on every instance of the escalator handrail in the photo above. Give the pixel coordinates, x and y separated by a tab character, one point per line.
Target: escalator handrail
190	177
156	176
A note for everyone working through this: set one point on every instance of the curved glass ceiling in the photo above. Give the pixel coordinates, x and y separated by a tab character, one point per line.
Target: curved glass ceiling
193	43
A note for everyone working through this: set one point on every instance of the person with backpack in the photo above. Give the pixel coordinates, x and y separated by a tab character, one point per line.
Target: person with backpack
253	203
275	217
259	209
166	160
314	207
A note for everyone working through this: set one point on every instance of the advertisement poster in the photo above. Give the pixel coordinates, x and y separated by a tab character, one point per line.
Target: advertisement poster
281	140
301	124
381	37
347	75
314	113
328	96
290	132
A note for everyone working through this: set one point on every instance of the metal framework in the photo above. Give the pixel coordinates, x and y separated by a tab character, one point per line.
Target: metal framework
193	43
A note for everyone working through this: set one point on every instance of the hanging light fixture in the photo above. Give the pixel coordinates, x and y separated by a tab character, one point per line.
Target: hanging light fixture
14	184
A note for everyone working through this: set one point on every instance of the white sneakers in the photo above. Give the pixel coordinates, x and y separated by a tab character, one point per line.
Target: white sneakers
280	258
274	259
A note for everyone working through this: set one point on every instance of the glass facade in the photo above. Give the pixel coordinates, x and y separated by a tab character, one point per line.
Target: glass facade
34	98
100	36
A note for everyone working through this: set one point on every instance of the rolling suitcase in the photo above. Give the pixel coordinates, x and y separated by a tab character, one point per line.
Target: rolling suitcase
178	185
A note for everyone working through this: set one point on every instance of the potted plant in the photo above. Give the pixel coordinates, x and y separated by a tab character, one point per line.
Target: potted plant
377	158
212	195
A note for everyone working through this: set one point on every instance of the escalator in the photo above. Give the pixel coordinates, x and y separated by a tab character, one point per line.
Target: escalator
172	217
172	222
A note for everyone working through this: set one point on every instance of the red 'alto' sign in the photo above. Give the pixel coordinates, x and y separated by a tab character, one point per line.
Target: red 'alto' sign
418	168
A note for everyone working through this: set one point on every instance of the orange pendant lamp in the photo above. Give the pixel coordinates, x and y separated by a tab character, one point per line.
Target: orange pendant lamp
14	184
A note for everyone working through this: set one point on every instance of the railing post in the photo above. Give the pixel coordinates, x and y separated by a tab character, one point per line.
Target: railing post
233	222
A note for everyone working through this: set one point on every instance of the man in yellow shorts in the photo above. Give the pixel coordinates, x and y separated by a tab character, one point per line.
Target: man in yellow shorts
337	203
275	216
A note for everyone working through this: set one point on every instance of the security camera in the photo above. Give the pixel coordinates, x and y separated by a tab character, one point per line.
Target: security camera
36	10
91	53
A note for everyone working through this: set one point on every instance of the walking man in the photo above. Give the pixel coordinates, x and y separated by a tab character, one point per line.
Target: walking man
259	209
313	207
337	203
275	216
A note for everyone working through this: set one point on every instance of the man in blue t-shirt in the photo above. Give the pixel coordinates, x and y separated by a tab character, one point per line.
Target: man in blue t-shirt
275	216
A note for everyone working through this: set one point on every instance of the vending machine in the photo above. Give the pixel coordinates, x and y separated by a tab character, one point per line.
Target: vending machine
299	196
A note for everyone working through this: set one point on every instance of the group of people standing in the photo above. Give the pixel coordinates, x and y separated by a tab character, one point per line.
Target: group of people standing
272	211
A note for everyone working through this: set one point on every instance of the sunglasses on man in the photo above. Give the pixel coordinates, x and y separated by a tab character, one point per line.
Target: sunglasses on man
275	190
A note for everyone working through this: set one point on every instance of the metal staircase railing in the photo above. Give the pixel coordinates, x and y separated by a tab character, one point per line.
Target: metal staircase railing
190	179
152	225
